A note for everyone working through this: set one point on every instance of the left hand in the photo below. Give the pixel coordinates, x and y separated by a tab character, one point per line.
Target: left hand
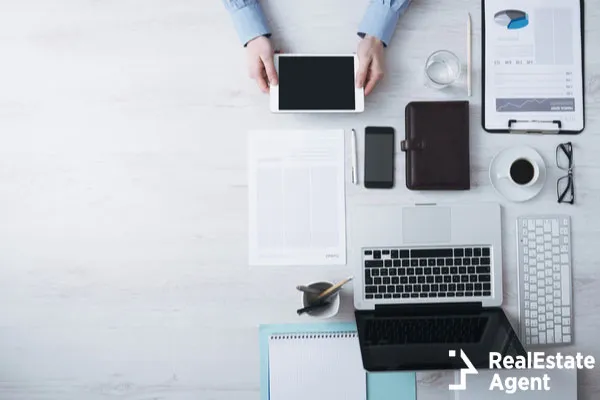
371	63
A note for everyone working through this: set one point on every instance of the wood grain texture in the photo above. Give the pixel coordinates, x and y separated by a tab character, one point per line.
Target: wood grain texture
123	233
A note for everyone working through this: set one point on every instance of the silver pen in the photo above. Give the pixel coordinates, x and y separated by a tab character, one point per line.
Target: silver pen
354	158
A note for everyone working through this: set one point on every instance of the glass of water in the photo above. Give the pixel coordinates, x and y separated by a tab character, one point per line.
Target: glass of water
442	69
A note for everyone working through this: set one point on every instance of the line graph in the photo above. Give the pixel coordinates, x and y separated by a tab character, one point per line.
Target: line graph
535	105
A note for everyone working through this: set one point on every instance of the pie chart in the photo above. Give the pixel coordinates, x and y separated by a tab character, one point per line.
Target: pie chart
512	19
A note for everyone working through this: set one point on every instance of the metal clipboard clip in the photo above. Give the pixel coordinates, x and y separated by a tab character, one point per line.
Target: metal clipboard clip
534	126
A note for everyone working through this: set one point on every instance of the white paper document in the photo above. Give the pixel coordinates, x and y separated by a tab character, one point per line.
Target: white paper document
296	198
533	64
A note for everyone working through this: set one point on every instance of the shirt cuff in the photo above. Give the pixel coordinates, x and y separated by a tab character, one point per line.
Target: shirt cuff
380	21
250	22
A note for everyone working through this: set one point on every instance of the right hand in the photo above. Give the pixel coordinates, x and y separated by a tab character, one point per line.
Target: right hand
260	63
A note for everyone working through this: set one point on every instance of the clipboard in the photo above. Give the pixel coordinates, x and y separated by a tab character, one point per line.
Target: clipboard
532	113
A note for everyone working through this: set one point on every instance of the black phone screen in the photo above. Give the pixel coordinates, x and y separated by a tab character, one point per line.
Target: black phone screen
379	157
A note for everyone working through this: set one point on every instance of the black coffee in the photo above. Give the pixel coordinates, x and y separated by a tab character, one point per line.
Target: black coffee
522	171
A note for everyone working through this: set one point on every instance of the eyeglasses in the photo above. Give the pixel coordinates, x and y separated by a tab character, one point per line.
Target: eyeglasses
565	187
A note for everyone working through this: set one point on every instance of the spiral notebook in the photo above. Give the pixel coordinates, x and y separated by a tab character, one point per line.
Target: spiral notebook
316	366
332	359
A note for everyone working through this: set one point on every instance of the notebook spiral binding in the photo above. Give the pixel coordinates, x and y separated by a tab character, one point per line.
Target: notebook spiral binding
331	335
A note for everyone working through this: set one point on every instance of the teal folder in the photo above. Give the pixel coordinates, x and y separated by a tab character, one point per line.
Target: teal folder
380	385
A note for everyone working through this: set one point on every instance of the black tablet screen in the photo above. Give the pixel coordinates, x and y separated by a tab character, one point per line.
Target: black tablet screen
316	83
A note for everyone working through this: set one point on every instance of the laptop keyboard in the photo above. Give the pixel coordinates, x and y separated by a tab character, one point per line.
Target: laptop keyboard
417	273
380	332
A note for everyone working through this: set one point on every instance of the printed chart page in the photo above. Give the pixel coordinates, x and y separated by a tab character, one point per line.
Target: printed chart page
296	198
533	64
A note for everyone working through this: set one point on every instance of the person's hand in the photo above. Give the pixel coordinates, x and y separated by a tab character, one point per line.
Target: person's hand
370	63
260	62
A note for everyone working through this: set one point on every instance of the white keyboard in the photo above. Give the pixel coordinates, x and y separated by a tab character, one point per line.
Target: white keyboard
545	299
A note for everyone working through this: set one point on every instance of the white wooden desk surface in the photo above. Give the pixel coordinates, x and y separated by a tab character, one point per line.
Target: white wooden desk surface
123	233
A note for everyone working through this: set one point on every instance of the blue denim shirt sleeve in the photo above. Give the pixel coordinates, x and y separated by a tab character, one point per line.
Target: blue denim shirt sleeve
248	18
381	18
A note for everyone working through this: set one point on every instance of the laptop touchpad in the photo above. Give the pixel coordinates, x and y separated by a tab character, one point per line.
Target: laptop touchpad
423	225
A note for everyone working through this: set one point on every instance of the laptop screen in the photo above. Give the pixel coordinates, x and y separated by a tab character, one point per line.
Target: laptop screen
424	339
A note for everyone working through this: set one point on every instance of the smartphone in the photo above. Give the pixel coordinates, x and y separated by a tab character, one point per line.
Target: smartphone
379	157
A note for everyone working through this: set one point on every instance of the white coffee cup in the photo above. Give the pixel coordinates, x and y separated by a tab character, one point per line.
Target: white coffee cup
522	171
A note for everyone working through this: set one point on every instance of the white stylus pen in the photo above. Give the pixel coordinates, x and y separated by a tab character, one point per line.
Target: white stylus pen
354	158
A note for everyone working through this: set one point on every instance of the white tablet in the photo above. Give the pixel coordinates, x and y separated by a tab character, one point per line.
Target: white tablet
317	83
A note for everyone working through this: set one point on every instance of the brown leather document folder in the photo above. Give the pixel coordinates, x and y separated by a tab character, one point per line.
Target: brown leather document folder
437	145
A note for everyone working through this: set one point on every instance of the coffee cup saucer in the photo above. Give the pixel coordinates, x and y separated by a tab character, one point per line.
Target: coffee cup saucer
504	186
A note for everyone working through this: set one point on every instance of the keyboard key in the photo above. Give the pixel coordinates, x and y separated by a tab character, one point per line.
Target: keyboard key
430	279
436	271
458	261
386	280
382	289
464	278
487	293
483	270
459	252
471	270
440	261
377	281
425	288
408	289
431	262
369	296
472	278
462	270
432	294
443	287
394	254
393	271
377	254
477	252
403	280
387	296
487	286
447	278
435	287
460	287
484	278
469	287
397	263
405	263
374	264
422	262
477	294
388	263
441	294
405	295
419	271
368	252
468	252
460	294
451	294
404	253
396	295
395	280
453	270
466	261
484	260
420	279
427	271
414	262
422	294
478	286
383	272
410	271
386	252
452	287
414	295
485	252
468	294
412	279
439	279
449	261
475	261
445	270
431	253
370	289
456	278
391	289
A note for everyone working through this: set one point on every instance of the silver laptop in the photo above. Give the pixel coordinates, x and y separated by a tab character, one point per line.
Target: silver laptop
425	254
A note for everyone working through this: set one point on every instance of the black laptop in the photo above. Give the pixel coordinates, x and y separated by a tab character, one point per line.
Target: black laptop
418	337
